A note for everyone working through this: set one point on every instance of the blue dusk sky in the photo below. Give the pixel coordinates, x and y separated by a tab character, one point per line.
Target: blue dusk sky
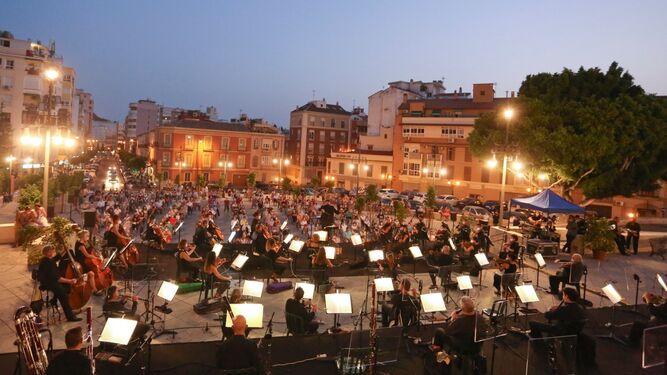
266	57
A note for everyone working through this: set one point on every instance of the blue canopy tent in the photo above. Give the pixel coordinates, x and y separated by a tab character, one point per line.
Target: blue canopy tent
549	202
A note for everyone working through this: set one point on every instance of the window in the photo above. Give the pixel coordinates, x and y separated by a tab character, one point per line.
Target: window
6	100
255	161
329	167
451	153
266	160
369	171
311	135
323	121
320	148
188	159
342	136
187	177
205	175
322	134
413	132
309	160
9	64
276	145
266	144
4	43
485	174
206	160
255	143
468	156
467	173
355	169
7	82
311	147
342	124
332	136
341	168
189	142
333	123
450	132
383	170
370	147
241	161
312	121
414	169
224	144
241	144
208	142
165	175
166	158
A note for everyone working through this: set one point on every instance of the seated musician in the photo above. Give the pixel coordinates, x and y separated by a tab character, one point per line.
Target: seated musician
262	236
401	239
386	230
304	310
574	267
508	267
657	307
187	262
72	360
238	352
116	234
569	317
202	238
81	252
278	261
389	265
511	247
459	335
328	210
50	279
213	277
436	259
444	233
403	306
115	304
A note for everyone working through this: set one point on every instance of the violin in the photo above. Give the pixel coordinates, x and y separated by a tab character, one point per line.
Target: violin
81	291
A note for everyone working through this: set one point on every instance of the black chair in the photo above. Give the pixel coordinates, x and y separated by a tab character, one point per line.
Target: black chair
51	304
575	277
295	324
497	311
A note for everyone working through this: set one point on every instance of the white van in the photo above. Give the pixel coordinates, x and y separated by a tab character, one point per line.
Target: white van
388	193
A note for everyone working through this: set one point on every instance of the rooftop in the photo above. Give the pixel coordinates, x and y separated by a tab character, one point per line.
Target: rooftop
367	152
455	103
325	108
216	125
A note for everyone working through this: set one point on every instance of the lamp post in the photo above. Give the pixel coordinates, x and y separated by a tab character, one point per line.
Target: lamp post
280	163
51	75
10	159
508	113
226	164
386	178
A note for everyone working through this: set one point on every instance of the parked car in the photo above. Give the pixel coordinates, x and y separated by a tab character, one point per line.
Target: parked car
406	195
477	212
308	191
388	193
447	198
340	190
494	206
469	201
419	197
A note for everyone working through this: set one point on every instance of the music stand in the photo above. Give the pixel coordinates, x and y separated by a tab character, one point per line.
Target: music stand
493	329
338	303
238	263
217	248
661	281
252	312
482	260
233	224
252	288
167	292
527	294
432	303
539	259
653	346
451	244
416	254
375	255
614	297
296	246
288	238
118	331
464	283
283	225
384	284
308	289
356	240
177	230
231	236
322	235
445	274
330	252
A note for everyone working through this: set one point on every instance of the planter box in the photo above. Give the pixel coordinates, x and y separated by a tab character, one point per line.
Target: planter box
7	233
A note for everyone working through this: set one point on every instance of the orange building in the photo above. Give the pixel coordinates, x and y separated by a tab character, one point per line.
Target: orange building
190	148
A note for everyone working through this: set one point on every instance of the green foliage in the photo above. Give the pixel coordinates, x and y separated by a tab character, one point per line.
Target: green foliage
251	180
400	211
360	203
372	194
430	198
132	161
201	182
598	236
29	195
287	184
329	185
177	179
315	181
596	130
30	179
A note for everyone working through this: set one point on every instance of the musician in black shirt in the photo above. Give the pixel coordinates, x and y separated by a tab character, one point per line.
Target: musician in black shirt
71	361
328	212
657	308
437	259
422	232
238	352
403	306
569	317
632	238
50	279
296	306
115	305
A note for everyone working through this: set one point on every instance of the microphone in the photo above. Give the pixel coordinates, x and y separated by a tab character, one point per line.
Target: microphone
636	278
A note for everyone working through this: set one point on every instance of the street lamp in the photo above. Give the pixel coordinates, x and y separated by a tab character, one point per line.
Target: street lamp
280	162
386	178
51	76
225	164
508	113
10	159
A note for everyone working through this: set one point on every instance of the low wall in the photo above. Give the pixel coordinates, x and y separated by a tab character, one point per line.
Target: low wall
7	233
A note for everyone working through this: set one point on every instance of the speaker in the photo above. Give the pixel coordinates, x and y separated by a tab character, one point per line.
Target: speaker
547	248
89	219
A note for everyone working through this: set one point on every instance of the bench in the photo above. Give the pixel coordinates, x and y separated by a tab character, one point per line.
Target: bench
658	246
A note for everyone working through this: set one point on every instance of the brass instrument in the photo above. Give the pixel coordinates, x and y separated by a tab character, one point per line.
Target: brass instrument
89	348
373	330
29	341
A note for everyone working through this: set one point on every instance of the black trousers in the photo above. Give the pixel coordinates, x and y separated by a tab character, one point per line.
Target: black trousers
555	281
634	241
61	295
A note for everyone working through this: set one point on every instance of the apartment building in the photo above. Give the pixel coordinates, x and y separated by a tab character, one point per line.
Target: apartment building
316	129
24	90
359	168
190	147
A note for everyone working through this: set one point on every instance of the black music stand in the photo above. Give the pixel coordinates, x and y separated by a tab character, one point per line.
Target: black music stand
445	274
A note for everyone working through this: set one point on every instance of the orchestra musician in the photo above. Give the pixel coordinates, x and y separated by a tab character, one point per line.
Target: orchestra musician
261	238
71	361
569	317
632	228
202	238
574	266
81	252
436	259
238	352
304	310
657	308
278	261
389	265
187	262
50	279
421	232
328	210
213	277
507	267
386	230
403	306
115	304
115	234
511	247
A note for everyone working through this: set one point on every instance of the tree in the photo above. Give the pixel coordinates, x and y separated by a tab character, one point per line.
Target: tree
372	193
251	180
430	203
177	179
315	181
597	131
400	211
287	184
360	203
30	194
201	182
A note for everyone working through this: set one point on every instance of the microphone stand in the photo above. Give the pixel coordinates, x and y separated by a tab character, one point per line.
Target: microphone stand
635	309
267	336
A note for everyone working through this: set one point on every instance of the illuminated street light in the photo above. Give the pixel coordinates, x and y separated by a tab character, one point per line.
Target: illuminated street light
492	163
443	172
51	74
517	165
508	113
542	176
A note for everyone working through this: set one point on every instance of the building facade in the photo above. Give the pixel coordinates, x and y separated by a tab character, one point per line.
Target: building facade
358	126
24	91
316	129
359	168
105	134
84	108
142	116
190	148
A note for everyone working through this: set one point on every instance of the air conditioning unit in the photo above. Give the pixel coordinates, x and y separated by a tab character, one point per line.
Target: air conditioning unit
619	203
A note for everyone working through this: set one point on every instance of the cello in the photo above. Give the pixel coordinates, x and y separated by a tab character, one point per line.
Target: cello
103	276
79	293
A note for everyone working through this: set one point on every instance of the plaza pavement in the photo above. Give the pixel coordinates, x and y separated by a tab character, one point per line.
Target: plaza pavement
16	288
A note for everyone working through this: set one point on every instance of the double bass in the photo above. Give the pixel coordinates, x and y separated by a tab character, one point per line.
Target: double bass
79	293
